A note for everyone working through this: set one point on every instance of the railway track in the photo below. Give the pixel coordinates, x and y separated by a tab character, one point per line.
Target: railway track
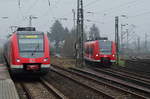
64	73
139	66
124	76
134	89
139	61
41	90
107	88
131	74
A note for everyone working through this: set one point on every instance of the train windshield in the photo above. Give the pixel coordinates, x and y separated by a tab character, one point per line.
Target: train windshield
105	47
31	46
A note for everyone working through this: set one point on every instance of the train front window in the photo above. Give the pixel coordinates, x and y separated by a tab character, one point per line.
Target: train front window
31	46
105	47
31	43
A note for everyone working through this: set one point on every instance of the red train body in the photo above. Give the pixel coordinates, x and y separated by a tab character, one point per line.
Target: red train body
101	51
28	52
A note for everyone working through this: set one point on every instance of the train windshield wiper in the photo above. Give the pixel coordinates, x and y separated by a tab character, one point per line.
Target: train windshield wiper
36	48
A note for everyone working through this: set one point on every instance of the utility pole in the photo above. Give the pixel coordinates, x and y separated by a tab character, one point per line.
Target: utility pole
75	43
74	18
127	31
117	37
19	3
122	37
138	40
146	42
80	40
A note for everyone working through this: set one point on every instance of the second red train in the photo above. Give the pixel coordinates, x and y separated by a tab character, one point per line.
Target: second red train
100	51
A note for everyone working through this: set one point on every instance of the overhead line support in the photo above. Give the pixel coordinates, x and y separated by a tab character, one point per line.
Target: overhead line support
80	34
117	38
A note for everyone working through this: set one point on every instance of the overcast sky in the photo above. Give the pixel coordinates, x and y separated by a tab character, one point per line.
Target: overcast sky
103	13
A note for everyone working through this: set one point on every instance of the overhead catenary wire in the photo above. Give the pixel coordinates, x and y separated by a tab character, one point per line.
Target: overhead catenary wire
92	2
47	13
50	8
32	6
28	10
113	11
112	8
141	14
122	5
20	10
116	7
85	5
20	13
129	17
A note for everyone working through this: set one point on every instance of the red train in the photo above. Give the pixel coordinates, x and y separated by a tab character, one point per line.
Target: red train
27	52
100	51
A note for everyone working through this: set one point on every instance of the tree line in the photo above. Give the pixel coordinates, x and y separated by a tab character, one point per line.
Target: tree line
63	40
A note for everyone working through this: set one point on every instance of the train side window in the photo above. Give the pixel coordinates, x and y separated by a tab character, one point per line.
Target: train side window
91	50
87	50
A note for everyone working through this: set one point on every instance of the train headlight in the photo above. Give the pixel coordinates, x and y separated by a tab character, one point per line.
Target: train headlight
113	55
97	55
45	59
17	60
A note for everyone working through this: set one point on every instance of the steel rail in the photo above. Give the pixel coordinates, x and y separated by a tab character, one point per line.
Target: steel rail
57	93
146	78
104	83
106	95
129	74
125	77
122	83
26	90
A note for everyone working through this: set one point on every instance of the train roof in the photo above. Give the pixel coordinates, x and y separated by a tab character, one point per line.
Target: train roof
99	38
91	42
26	29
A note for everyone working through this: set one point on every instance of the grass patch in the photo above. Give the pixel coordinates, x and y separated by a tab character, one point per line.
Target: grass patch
121	63
64	62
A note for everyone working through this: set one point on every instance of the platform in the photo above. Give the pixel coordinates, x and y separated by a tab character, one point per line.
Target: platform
4	72
7	87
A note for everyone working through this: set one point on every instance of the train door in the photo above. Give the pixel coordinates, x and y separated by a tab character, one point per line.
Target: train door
91	52
87	50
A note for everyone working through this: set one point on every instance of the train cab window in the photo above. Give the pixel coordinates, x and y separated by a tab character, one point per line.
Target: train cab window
105	47
31	45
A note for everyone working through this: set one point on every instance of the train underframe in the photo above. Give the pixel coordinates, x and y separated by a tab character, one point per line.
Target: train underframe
104	62
29	69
